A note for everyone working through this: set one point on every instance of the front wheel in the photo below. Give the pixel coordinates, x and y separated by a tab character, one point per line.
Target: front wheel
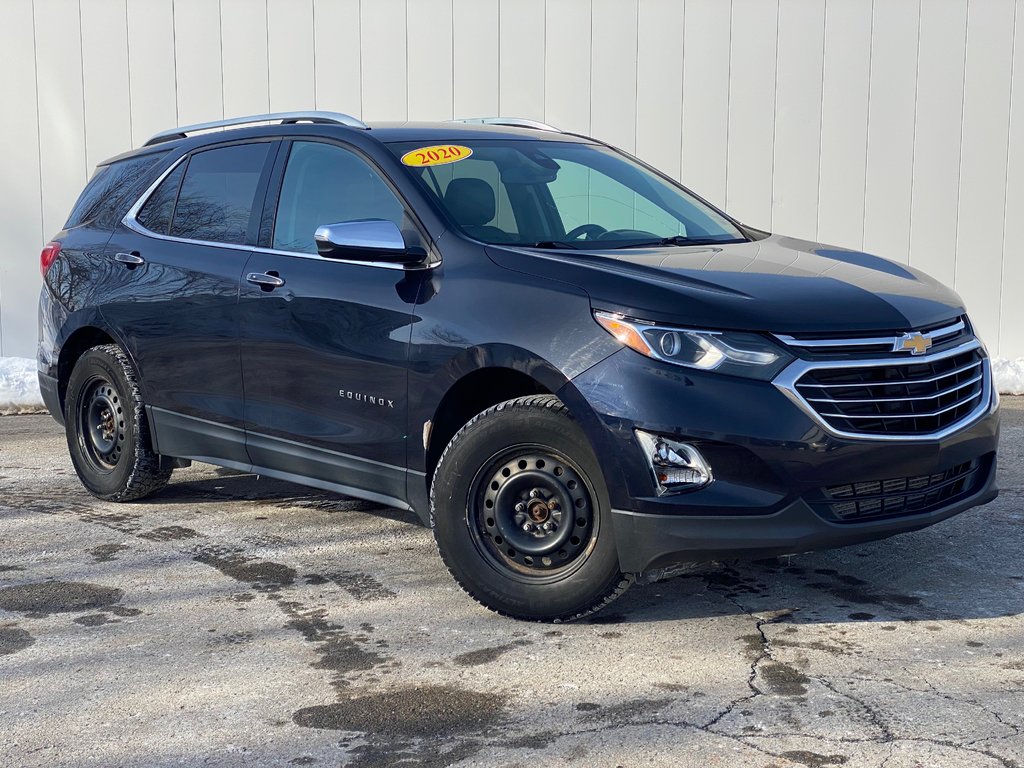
521	514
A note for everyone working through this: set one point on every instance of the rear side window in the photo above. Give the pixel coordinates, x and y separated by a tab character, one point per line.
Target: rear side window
325	184
112	190
216	197
156	213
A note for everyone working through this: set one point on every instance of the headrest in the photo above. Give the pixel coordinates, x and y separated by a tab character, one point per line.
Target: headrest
470	201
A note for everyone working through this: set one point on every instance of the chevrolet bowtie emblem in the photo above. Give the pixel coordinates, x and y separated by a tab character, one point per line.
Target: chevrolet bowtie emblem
914	343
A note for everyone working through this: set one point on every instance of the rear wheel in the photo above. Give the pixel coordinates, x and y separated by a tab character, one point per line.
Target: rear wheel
107	432
521	515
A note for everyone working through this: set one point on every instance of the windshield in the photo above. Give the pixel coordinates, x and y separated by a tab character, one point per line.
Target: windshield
560	194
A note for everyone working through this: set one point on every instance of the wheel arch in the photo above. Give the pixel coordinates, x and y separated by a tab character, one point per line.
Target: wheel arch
486	377
78	342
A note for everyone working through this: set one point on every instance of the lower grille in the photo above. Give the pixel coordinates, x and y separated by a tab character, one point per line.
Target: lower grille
897	398
897	497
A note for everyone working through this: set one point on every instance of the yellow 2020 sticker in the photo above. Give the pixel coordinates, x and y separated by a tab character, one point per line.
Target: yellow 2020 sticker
439	154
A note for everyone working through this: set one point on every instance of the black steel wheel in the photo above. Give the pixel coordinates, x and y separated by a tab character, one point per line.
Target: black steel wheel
101	424
532	512
521	515
107	432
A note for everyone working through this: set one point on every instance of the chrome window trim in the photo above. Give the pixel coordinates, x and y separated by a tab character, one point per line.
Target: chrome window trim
938	333
131	221
786	381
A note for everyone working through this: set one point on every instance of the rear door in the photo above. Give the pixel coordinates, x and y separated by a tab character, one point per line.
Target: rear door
324	353
177	262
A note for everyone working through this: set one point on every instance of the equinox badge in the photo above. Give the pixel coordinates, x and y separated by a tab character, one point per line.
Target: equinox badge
914	343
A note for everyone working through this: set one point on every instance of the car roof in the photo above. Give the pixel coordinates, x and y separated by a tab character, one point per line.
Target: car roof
387	132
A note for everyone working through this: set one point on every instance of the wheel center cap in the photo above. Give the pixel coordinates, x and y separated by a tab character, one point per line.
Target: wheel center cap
538	511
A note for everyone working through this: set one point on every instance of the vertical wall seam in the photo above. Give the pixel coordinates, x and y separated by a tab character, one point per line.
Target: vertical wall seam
39	121
174	61
775	117
636	91
128	76
266	25
407	89
821	125
867	128
960	159
728	108
544	66
85	118
682	93
359	25
220	41
312	43
913	142
1006	181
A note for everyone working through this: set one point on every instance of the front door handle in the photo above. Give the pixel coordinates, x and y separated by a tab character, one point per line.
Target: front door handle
131	259
265	280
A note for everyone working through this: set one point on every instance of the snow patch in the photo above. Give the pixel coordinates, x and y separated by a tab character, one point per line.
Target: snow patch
1009	375
19	386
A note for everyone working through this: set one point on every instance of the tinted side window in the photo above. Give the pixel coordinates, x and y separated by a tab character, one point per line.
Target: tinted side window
112	190
216	197
156	213
325	184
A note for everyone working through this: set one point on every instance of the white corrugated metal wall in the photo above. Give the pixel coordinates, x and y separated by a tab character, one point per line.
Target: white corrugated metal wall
889	125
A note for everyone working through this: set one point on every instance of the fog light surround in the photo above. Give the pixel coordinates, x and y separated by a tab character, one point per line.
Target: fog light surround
676	466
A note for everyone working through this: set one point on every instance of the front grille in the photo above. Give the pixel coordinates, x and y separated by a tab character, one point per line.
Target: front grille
845	345
894	399
897	497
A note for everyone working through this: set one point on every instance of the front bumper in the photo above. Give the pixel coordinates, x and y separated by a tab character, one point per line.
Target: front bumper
771	462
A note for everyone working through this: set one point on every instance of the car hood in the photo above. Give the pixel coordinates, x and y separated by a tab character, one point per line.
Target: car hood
777	284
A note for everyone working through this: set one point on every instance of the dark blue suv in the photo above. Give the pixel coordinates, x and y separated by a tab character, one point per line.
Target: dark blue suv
575	370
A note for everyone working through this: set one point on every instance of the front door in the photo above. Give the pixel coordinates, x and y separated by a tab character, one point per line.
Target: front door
325	342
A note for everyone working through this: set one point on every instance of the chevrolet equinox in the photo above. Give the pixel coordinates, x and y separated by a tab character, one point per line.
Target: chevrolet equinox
576	371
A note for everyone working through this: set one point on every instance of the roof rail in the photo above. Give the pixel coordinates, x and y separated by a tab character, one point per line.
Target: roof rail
283	117
515	122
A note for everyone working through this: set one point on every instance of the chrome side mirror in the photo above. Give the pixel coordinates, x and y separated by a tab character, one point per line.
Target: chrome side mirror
365	240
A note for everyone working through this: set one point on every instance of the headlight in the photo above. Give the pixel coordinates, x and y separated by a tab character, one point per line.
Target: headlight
739	354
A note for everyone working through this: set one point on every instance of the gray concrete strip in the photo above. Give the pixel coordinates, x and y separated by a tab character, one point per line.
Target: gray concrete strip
238	621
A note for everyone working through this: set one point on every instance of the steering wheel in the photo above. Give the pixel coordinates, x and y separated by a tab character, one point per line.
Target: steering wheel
586	231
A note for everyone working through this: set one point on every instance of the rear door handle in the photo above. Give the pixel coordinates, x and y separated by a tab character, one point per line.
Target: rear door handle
131	259
265	280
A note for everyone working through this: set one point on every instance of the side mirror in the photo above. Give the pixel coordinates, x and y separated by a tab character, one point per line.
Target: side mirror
365	240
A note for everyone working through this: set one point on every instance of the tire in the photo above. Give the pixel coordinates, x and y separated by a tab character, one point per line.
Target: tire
106	427
525	462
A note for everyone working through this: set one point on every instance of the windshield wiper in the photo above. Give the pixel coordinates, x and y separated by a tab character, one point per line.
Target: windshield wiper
551	244
678	240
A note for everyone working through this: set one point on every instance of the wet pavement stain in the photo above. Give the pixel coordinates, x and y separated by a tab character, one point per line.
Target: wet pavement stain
782	679
435	712
170	533
362	586
94	620
105	553
262	574
120	610
6	568
14	639
339	652
487	655
46	597
813	759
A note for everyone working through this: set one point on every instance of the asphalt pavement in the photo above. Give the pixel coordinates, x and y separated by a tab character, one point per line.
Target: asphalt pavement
238	621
